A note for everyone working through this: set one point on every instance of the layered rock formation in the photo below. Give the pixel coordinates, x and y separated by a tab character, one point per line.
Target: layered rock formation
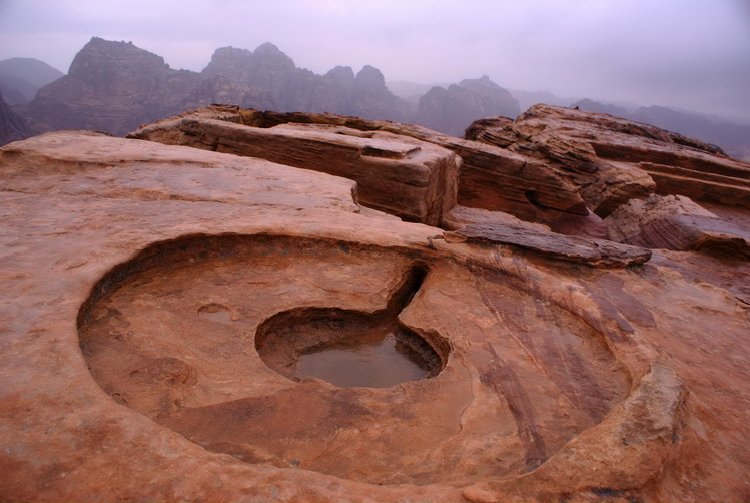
115	86
451	110
734	138
110	87
555	177
159	301
613	160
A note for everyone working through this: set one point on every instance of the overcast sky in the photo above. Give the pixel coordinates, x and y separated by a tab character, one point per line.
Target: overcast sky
693	54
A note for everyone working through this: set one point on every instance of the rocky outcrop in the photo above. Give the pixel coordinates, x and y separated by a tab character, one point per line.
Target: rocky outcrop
401	175
677	223
613	160
412	179
491	178
536	181
110	87
451	110
115	86
158	303
12	127
733	138
542	242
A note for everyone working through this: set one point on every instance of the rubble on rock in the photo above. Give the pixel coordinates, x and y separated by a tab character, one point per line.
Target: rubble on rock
158	297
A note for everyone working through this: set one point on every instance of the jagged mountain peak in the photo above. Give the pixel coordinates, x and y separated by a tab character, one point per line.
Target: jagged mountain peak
371	76
122	57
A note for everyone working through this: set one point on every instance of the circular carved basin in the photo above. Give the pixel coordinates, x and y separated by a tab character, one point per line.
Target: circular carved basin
363	362
349	348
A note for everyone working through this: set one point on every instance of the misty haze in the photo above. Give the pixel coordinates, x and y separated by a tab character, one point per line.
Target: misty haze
366	250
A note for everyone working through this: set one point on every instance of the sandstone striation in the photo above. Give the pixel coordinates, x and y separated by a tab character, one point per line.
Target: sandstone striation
676	223
491	178
614	160
163	295
396	174
549	180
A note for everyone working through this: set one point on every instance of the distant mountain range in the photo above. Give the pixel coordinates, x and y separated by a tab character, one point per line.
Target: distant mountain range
21	78
734	139
115	86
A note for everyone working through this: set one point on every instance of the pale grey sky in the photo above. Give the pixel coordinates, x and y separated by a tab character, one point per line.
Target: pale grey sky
693	54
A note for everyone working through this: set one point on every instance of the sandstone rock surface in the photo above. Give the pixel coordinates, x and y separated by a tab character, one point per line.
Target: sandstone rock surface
397	174
552	178
613	160
676	223
492	178
156	301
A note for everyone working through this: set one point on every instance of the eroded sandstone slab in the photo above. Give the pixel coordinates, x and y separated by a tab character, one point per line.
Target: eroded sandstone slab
614	160
135	277
397	174
492	178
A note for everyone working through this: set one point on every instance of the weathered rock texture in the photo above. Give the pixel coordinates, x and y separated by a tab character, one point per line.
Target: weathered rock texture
115	86
613	160
552	178
396	174
732	137
149	292
676	223
491	178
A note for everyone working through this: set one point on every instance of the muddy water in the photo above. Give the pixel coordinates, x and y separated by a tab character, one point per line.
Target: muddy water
376	362
215	313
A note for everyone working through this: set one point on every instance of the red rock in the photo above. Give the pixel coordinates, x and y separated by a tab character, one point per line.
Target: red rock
397	174
676	223
614	160
155	299
491	178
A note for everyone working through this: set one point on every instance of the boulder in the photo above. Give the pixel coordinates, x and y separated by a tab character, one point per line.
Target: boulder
613	160
676	223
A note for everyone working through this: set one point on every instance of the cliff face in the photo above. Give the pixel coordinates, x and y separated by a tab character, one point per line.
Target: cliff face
451	110
110	87
115	86
12	127
289	88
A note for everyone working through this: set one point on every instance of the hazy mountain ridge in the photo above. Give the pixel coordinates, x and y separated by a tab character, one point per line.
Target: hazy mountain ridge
21	78
12	126
453	109
734	139
115	86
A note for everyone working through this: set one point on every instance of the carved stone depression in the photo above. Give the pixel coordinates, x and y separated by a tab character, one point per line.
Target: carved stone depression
369	363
